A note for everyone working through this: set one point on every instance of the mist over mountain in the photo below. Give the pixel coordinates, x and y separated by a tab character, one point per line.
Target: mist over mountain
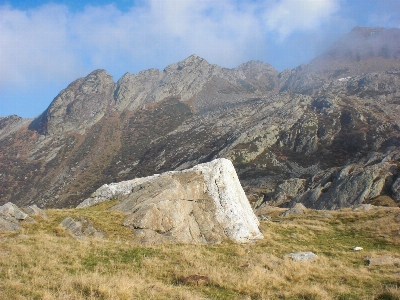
288	134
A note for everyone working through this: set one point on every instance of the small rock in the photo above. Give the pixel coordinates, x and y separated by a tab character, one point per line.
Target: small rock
264	218
397	217
81	228
383	261
357	248
198	280
33	210
298	209
9	224
302	256
363	207
272	264
12	210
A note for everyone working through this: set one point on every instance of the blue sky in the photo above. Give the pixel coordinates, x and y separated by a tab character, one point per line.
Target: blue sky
45	45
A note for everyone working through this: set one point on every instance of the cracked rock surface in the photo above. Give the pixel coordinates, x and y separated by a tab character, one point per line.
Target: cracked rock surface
204	204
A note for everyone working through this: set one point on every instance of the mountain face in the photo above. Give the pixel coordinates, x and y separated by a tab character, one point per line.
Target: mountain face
279	129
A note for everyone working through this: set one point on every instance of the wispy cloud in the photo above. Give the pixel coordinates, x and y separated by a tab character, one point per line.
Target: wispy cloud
51	41
288	16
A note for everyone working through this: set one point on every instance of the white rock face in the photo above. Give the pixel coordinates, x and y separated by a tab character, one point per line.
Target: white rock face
204	204
112	191
233	209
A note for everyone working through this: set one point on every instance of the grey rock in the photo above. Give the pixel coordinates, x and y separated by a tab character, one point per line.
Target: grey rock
297	209
33	210
396	190
264	218
351	185
363	207
13	211
287	190
81	229
9	224
204	204
383	260
302	256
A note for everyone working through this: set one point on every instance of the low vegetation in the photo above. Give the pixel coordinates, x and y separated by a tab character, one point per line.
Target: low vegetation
45	262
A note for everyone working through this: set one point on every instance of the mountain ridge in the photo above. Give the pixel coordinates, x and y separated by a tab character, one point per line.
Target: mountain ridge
273	126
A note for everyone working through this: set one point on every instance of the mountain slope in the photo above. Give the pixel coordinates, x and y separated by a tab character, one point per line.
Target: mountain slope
273	126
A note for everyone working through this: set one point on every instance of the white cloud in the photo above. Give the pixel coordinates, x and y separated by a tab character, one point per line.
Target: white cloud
50	42
287	16
34	44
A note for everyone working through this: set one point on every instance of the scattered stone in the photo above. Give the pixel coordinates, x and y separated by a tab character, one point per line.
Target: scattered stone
204	204
326	215
363	207
302	256
397	217
9	224
264	218
33	210
198	280
272	264
13	211
383	261
297	209
81	229
357	248
11	217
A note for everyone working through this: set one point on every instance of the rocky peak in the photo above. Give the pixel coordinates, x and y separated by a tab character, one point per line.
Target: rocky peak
11	124
364	42
361	51
192	61
79	106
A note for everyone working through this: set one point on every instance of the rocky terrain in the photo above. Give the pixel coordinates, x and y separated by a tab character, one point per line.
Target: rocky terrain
326	134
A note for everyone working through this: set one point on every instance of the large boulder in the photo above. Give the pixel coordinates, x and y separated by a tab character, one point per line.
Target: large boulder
204	204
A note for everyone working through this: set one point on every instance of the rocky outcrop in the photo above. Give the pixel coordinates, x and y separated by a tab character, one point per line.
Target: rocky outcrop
33	210
204	204
287	190
81	229
81	105
353	184
11	216
11	124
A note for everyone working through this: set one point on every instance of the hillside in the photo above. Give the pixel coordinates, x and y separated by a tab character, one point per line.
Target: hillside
44	262
337	111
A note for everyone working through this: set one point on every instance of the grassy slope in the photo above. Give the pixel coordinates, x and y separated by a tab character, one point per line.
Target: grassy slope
44	262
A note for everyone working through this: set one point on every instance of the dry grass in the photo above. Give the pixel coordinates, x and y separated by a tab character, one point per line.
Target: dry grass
43	262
